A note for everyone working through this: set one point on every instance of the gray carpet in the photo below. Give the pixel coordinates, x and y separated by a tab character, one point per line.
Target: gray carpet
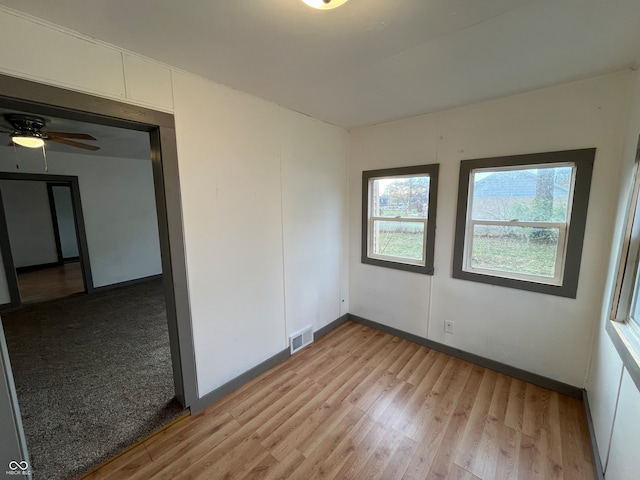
93	375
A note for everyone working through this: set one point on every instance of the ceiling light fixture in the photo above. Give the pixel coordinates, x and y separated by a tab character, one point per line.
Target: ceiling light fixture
28	139
324	4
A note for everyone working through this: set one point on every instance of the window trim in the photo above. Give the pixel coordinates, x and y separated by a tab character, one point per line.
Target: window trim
629	255
583	160
622	330
430	222
562	227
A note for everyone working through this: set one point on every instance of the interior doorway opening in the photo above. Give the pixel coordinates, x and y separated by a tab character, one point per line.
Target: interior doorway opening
110	346
45	238
50	101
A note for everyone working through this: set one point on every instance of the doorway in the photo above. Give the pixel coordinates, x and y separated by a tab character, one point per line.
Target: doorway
46	240
27	96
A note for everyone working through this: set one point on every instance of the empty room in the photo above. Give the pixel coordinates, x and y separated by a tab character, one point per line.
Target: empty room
397	239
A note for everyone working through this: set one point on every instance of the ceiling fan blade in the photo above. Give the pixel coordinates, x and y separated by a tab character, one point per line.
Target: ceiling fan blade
71	143
78	136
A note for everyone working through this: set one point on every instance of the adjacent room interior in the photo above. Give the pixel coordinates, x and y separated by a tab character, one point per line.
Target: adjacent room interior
93	355
43	238
397	239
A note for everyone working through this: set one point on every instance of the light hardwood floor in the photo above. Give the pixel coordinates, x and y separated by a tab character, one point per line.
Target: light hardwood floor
50	283
360	404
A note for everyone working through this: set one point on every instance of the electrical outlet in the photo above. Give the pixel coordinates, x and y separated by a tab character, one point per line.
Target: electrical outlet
448	326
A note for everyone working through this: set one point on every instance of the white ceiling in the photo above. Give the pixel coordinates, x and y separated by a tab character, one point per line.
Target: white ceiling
369	61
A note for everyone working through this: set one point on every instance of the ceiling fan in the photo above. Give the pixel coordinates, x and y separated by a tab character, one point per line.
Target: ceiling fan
27	132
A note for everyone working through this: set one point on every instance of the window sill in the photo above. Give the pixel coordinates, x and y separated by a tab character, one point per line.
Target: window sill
569	290
408	267
627	344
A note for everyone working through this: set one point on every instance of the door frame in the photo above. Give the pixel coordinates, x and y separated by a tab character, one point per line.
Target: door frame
7	261
13	443
81	235
26	95
55	220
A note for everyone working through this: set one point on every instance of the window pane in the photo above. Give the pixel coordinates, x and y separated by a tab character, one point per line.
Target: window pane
398	239
400	197
524	194
634	313
524	250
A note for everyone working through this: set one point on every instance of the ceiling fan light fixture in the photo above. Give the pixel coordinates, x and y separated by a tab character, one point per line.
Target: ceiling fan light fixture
324	4
27	139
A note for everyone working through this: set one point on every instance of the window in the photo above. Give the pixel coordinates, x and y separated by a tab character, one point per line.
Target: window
624	329
398	217
521	220
626	304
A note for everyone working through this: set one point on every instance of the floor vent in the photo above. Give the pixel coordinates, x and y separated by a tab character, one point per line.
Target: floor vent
301	339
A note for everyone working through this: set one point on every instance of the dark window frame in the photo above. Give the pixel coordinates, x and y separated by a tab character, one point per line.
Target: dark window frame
583	160
432	171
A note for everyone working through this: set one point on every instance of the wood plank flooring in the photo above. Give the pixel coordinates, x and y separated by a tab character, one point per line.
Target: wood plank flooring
50	283
361	404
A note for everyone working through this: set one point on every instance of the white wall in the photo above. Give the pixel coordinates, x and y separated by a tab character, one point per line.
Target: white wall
612	394
28	216
248	244
624	461
314	186
87	65
231	202
543	334
118	202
